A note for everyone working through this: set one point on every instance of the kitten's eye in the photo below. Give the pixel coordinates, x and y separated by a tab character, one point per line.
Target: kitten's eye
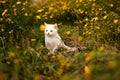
51	31
46	30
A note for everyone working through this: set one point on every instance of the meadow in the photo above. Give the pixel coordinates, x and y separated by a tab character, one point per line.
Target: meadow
93	26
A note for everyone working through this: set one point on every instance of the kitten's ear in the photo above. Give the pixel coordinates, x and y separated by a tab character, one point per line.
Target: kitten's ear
56	26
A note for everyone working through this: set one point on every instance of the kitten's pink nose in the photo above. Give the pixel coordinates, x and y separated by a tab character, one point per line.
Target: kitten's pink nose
48	33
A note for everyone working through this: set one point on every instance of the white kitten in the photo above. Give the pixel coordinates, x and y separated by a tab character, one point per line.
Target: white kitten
52	39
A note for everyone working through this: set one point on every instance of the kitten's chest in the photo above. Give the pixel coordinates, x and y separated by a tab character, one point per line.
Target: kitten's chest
52	41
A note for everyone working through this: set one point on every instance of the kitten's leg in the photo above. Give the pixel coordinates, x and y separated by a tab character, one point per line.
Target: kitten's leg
52	51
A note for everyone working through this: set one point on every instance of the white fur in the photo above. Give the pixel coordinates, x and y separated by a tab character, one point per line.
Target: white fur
52	39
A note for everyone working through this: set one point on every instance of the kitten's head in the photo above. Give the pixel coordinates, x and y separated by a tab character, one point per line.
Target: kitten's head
50	29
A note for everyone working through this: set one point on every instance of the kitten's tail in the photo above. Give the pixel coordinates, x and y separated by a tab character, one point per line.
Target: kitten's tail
69	48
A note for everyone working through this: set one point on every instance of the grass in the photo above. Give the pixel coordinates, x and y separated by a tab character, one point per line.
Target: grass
32	63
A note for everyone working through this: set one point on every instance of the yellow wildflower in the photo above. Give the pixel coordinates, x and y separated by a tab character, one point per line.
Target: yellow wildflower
89	33
2	2
89	56
98	27
3	76
111	5
100	9
4	12
37	77
26	14
38	17
60	71
68	32
90	0
10	32
112	64
1	19
16	61
41	46
40	10
51	8
2	30
67	65
19	2
101	48
23	8
87	69
11	55
105	17
33	40
115	21
80	0
51	16
42	27
80	38
95	19
118	30
93	4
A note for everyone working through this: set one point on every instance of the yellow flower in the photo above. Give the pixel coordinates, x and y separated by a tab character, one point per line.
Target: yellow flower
88	32
16	61
11	55
95	19
111	5
115	21
1	19
42	27
3	76
2	30
90	0
10	32
89	56
19	2
98	27
23	8
100	9
112	64
87	69
40	10
67	65
60	71
68	32
101	48
33	40
38	17
51	8
4	12
105	17
26	14
80	0
93	4
80	38
118	30
86	19
3	2
51	16
37	77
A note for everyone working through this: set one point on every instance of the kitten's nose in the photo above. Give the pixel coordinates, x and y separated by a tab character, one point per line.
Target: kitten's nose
48	33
